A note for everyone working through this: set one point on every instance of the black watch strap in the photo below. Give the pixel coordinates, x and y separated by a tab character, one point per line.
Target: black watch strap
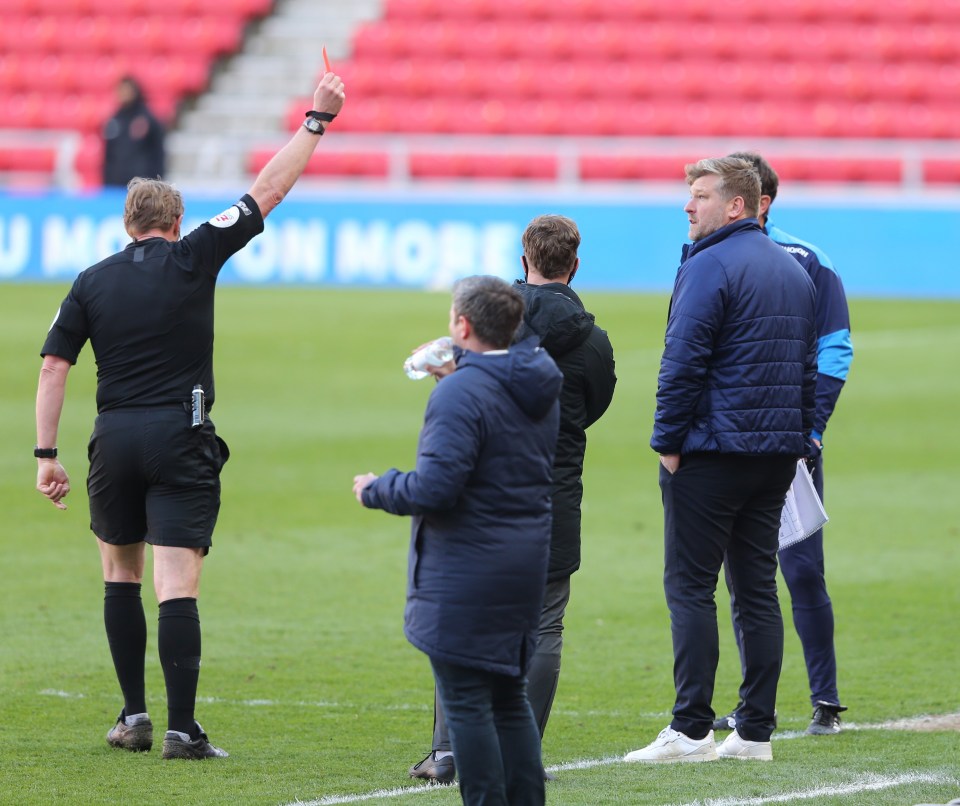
45	453
324	116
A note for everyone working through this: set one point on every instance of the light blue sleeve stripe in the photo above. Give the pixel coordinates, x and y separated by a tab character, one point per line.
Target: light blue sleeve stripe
835	354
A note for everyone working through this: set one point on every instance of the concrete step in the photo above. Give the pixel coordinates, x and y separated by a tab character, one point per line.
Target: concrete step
251	93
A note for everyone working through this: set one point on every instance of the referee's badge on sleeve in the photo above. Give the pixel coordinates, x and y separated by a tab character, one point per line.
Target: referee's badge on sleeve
227	218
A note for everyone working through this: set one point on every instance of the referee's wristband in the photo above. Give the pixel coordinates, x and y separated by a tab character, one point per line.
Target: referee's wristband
326	117
44	453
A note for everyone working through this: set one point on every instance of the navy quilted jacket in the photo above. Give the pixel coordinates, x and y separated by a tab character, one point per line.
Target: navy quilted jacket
480	500
739	366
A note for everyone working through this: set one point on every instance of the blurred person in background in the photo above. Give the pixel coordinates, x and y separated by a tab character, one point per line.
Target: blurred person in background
480	538
582	351
802	563
133	139
155	457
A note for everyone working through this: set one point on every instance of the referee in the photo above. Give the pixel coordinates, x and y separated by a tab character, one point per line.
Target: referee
155	458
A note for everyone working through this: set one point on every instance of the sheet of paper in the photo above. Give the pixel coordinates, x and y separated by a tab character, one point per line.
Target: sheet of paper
803	513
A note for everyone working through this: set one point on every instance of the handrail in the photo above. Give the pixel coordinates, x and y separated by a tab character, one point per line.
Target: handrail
222	160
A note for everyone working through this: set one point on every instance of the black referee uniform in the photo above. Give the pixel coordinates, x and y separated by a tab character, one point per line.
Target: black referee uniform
148	314
155	463
154	473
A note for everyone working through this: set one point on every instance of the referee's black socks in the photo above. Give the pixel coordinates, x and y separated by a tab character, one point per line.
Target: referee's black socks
178	641
127	635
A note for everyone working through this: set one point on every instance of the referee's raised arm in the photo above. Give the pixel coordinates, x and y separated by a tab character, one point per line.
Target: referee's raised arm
282	171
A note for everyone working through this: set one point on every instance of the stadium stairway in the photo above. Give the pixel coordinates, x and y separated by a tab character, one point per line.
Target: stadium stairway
250	95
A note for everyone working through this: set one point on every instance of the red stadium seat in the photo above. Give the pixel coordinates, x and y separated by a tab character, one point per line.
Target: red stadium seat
39	159
85	111
167	74
483	166
941	171
603	167
839	170
414	10
596	117
23	110
89	161
941	83
863	69
362	115
379	41
373	164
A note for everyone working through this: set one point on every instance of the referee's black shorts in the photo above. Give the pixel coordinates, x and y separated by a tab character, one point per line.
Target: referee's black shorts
154	478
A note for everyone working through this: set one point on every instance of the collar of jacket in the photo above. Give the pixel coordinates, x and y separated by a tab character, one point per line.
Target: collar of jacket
690	249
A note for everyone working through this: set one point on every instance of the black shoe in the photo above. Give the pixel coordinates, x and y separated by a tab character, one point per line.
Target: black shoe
728	722
826	719
442	770
136	735
180	745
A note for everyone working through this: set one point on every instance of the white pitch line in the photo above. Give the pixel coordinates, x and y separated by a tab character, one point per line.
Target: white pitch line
347	706
867	783
380	794
907	724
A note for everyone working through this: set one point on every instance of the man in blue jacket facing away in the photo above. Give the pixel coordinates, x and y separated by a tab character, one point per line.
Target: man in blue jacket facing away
582	351
802	563
735	405
480	538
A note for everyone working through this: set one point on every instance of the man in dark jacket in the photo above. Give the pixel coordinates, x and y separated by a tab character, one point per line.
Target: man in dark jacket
133	139
802	564
735	405
556	316
480	537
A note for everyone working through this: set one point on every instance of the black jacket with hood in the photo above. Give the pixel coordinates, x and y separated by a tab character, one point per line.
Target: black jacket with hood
584	355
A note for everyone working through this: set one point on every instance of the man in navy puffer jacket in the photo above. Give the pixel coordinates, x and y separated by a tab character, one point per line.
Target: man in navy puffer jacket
480	538
735	406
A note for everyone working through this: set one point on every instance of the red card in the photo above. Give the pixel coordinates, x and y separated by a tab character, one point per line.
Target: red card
326	60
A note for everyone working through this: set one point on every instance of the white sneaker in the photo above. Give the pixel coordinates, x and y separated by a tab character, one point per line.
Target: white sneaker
736	747
671	745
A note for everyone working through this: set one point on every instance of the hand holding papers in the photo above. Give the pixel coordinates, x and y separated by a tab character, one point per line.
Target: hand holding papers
803	514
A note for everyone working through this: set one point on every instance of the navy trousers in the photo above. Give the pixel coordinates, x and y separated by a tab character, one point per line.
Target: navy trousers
496	744
720	505
543	674
802	567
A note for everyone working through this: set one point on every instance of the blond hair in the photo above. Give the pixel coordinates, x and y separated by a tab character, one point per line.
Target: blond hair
738	177
151	204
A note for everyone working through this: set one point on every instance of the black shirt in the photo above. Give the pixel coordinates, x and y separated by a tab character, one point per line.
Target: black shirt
148	313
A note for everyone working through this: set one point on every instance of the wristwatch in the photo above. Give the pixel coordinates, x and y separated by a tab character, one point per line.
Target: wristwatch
44	453
313	126
313	122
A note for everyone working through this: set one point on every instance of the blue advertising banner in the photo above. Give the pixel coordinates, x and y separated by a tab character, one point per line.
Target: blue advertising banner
881	247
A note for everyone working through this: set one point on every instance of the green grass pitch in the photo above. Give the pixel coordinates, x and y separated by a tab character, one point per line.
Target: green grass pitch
307	679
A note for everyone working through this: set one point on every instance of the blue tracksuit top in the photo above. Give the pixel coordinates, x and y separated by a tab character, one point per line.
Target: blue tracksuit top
834	346
739	367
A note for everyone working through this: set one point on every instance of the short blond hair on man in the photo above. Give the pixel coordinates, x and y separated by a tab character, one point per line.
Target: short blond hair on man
151	204
738	177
